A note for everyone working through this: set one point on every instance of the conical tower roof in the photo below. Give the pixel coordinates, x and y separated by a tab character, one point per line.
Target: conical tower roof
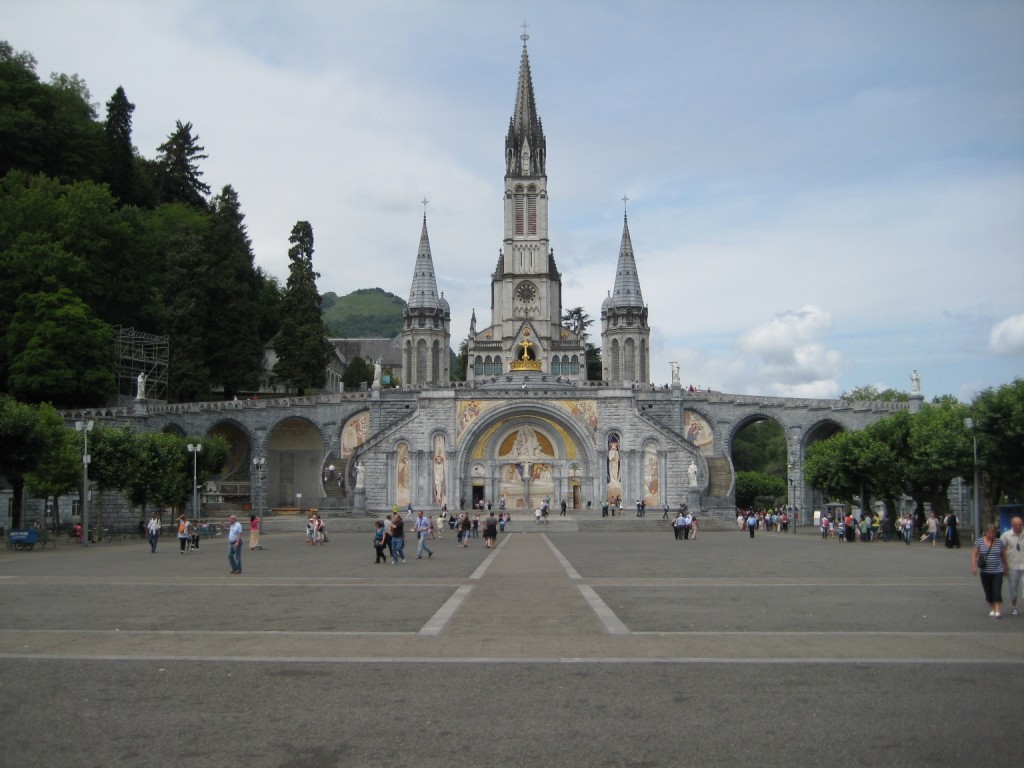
525	131
627	283
423	294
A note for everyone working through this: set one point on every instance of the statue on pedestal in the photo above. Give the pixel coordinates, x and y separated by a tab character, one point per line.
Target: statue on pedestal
141	391
377	368
692	470
915	383
675	375
360	474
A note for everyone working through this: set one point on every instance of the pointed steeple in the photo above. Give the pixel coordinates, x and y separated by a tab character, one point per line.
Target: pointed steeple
423	293
627	283
525	145
472	322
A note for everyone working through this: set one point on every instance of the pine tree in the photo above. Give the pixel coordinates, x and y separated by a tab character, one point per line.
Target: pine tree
234	352
178	174
119	172
302	348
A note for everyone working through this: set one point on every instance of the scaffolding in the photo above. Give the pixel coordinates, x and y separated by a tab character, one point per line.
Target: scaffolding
141	354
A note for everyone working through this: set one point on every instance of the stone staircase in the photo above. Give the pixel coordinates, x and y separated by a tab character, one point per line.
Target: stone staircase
721	477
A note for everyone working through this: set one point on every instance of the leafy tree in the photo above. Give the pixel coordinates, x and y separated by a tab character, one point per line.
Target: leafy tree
302	348
46	127
461	363
59	352
849	465
268	305
577	321
760	447
757	490
595	370
234	353
115	454
999	425
870	392
119	170
179	179
28	435
939	449
180	234
357	373
59	472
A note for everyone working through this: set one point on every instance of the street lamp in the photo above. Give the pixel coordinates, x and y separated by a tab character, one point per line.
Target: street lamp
969	423
257	464
85	427
194	450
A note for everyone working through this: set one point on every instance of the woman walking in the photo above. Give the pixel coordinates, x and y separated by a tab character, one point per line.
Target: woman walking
989	561
254	531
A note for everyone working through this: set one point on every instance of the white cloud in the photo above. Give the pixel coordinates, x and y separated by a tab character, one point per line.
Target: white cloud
1007	337
793	362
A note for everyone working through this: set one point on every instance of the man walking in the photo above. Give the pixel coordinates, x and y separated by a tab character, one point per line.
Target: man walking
423	528
1014	558
235	544
153	531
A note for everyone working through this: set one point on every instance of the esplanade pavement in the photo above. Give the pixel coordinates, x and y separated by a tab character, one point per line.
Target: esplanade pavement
554	648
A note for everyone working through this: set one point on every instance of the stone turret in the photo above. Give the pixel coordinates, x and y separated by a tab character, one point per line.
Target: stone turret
426	331
625	334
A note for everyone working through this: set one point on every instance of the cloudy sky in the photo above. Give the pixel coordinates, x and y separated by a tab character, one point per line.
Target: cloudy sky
822	195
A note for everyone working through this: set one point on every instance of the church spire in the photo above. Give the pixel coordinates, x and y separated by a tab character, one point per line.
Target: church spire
525	145
423	293
627	283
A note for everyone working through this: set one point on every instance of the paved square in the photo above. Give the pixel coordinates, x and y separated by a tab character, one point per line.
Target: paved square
574	649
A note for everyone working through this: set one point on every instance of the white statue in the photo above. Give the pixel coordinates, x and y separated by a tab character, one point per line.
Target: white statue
377	368
915	382
141	393
360	474
675	375
693	474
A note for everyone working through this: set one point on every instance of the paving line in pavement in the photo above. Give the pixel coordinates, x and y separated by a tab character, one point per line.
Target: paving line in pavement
437	622
607	616
482	568
929	660
572	572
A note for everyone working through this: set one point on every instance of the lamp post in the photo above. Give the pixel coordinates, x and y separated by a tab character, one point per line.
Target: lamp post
969	423
298	501
194	450
85	427
257	464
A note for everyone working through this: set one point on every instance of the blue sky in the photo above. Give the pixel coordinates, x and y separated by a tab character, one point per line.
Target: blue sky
822	195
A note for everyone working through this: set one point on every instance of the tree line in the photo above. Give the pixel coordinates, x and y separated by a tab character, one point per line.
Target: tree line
40	456
94	236
920	454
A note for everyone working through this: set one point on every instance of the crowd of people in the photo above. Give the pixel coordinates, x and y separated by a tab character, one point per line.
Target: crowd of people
846	527
389	533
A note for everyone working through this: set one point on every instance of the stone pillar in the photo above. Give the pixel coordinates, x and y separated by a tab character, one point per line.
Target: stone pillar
359	501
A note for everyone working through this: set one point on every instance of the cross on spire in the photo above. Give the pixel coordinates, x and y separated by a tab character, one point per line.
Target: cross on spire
524	37
424	201
625	204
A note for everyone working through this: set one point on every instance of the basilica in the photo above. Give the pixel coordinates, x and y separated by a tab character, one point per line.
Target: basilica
527	426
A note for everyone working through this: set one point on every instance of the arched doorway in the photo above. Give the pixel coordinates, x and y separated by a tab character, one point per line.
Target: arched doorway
295	450
524	457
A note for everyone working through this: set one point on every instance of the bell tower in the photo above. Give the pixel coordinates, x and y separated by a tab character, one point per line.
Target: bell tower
526	332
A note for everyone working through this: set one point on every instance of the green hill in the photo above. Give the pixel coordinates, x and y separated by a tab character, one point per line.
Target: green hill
369	313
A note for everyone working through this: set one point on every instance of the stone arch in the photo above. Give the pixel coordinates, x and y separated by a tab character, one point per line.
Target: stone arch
480	444
295	451
241	444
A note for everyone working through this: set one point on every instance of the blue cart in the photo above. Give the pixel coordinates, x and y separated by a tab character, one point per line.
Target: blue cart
23	539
